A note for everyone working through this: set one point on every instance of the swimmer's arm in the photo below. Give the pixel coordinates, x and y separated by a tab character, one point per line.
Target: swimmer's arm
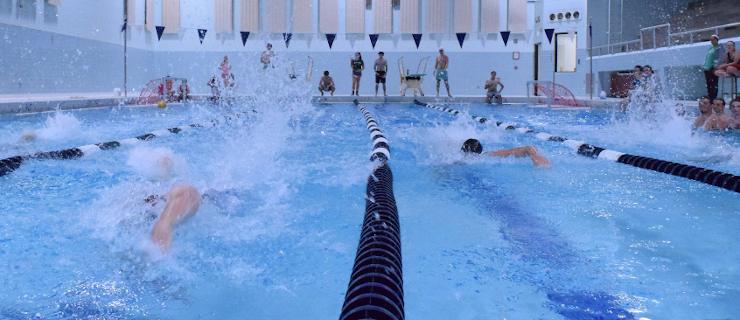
526	151
183	203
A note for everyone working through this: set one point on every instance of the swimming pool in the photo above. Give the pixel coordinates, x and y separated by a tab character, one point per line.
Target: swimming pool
276	235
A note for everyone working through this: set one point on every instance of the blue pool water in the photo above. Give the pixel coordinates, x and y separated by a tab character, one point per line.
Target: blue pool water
277	232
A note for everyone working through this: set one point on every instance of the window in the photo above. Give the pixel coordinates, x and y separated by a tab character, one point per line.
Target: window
565	53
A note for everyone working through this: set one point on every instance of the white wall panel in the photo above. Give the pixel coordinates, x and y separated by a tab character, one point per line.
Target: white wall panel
382	16
302	16
149	14
463	16
410	16
171	15
437	16
223	16
355	16
250	15
276	16
328	16
489	16
517	16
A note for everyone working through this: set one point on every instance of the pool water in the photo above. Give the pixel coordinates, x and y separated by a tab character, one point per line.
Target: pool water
284	199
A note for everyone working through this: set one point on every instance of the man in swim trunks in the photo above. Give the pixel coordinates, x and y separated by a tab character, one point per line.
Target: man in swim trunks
267	55
381	68
705	110
491	85
326	84
440	70
473	146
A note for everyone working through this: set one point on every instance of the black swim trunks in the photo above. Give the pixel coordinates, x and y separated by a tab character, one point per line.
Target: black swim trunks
379	76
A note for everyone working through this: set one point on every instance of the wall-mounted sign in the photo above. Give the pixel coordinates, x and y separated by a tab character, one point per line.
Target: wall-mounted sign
516	55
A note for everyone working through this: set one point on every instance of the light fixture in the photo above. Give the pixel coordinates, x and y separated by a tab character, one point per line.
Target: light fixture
560	15
567	15
576	15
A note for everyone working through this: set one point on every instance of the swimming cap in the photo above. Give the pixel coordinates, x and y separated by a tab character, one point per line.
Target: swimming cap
472	145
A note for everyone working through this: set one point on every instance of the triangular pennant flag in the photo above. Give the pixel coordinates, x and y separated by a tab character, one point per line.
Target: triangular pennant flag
125	23
202	34
527	35
572	34
245	35
505	36
287	37
160	31
417	39
181	32
330	38
461	38
549	33
374	39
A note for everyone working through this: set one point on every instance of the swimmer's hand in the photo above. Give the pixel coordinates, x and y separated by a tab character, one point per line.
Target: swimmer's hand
541	162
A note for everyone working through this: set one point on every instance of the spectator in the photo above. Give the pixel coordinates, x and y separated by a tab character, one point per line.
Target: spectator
357	66
215	92
735	110
652	84
326	84
183	92
225	67
492	87
711	62
636	82
381	68
731	65
440	70
705	112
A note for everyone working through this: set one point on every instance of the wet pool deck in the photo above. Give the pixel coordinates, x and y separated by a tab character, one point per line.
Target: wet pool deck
29	103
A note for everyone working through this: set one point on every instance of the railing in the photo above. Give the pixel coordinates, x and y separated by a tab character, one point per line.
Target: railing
660	36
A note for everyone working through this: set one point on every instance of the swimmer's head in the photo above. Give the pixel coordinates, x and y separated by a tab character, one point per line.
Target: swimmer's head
29	136
472	145
326	73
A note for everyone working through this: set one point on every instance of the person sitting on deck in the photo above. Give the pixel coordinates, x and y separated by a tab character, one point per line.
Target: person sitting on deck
473	146
731	66
492	86
705	110
326	84
720	119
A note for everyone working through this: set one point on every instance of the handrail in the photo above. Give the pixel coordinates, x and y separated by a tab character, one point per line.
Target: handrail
597	51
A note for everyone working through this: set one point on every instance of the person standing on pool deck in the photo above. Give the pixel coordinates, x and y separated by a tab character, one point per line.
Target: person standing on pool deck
473	146
711	62
381	69
440	70
491	85
183	202
267	55
357	66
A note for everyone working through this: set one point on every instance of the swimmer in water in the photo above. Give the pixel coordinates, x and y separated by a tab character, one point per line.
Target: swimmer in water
183	202
473	146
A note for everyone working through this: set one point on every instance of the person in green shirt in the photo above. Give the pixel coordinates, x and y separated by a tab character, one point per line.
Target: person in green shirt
710	64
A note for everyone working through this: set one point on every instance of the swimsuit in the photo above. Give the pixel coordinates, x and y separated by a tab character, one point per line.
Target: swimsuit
225	70
441	74
379	76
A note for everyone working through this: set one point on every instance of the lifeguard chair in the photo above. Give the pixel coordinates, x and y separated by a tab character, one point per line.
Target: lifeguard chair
412	81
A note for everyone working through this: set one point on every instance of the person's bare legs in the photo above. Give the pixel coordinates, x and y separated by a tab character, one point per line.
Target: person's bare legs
322	91
733	72
447	85
358	86
182	203
384	94
376	89
500	99
437	87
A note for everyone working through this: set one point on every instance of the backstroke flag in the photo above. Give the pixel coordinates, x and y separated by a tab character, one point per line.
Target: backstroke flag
549	33
287	37
245	35
461	38
160	31
374	39
417	39
330	38
202	34
505	36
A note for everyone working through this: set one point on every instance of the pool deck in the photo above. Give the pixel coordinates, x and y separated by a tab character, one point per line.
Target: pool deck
29	103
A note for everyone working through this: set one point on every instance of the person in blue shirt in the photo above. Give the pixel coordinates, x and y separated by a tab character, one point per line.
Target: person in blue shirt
711	62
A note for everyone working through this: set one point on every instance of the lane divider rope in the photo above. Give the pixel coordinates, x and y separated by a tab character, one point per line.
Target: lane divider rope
9	165
375	289
716	178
